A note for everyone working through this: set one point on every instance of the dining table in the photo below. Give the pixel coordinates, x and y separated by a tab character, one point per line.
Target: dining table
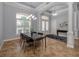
38	37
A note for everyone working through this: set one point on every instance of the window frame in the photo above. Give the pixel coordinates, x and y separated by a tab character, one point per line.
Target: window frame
45	26
22	27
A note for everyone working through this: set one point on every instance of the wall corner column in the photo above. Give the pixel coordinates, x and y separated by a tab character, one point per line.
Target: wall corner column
70	36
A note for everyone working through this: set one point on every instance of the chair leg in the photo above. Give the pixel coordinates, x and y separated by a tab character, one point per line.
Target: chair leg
20	42
45	43
24	46
42	44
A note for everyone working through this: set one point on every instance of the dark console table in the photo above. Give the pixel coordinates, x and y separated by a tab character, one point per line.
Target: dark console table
61	31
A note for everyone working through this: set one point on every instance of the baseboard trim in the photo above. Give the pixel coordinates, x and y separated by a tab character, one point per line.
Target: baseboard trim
70	46
11	39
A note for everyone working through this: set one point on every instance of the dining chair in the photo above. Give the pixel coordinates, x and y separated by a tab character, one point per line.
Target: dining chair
26	41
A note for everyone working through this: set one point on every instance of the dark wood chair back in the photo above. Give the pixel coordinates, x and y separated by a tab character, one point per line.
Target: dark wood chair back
26	38
40	33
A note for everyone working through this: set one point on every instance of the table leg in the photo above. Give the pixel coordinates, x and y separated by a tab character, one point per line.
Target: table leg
34	46
45	43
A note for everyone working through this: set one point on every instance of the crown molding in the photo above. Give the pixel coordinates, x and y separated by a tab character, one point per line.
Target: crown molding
21	6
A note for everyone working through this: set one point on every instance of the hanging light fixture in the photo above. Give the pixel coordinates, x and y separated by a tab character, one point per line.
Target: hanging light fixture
29	16
32	16
54	13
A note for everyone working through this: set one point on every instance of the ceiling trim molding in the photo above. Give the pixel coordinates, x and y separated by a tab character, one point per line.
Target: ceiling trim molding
21	6
63	10
41	5
59	12
47	6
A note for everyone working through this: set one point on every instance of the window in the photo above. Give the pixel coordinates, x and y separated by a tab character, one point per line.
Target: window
23	24
45	24
45	17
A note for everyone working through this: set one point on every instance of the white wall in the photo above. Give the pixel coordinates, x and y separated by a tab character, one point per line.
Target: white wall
1	23
78	23
61	20
56	20
53	26
9	23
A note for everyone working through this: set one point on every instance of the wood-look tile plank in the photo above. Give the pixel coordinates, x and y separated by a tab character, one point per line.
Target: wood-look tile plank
54	48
